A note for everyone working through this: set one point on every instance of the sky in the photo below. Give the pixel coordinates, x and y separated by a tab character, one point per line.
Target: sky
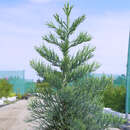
22	24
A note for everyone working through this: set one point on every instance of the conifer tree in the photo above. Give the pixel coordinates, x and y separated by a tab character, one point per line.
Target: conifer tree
71	68
75	107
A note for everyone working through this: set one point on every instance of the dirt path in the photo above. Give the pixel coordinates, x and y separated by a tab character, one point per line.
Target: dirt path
12	116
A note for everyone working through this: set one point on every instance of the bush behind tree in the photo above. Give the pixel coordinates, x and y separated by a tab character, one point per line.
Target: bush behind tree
5	88
114	98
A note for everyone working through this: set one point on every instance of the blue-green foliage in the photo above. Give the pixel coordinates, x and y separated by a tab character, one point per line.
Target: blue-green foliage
78	107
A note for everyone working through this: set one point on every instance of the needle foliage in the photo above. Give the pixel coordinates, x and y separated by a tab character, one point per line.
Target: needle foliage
68	68
61	106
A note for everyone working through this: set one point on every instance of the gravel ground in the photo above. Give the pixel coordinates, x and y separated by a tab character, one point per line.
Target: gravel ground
12	116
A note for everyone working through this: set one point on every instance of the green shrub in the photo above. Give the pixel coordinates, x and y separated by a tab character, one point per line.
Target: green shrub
5	88
42	85
12	94
77	107
114	98
23	96
19	96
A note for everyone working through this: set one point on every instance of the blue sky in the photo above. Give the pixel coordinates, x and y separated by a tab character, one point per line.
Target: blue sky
93	5
22	23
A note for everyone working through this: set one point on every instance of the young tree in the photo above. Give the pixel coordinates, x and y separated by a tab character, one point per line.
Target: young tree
71	67
68	108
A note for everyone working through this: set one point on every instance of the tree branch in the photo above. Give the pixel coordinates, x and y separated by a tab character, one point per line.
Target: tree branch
76	23
83	37
49	55
51	39
60	21
53	77
80	71
83	55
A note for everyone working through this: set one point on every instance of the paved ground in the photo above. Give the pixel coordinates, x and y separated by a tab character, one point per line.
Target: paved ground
12	116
